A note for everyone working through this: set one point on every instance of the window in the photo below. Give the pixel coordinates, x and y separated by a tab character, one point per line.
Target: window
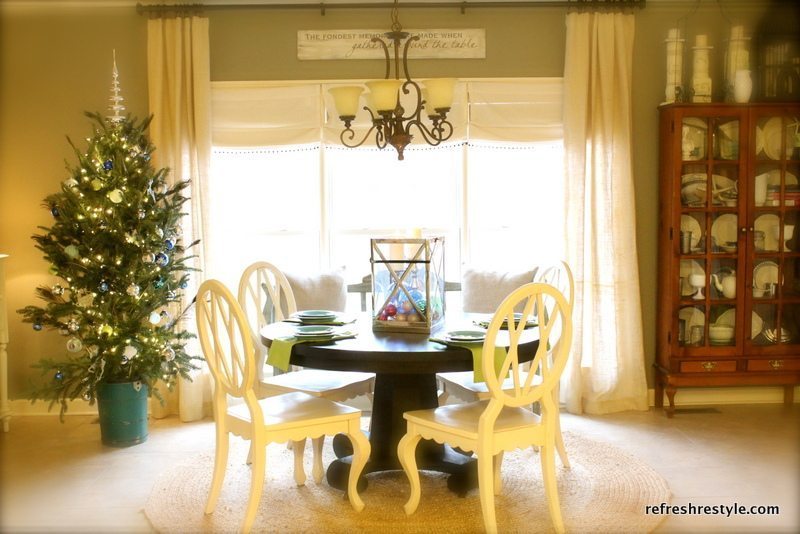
315	205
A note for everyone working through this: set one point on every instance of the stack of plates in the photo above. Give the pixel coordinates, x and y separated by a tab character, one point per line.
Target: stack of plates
316	316
465	335
316	332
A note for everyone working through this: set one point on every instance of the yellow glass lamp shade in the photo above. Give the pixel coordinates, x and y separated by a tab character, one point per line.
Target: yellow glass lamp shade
346	99
439	93
384	94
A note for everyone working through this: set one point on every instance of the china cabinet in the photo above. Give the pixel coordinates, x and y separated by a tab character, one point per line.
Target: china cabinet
729	248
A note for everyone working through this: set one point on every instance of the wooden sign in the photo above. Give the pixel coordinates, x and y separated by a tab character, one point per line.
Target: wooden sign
357	44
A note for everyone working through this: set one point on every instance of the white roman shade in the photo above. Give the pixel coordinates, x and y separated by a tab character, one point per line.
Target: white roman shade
525	110
258	114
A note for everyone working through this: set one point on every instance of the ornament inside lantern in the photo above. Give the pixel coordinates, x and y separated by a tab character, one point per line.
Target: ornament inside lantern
407	284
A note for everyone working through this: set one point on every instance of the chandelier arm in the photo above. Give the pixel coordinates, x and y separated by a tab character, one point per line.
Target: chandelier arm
433	136
385	53
405	55
348	134
417	113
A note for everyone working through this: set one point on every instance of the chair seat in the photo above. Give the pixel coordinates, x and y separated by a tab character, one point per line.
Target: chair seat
336	385
285	411
462	419
462	381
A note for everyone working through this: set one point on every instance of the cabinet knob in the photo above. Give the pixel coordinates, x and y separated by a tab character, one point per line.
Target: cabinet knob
708	366
744	230
776	364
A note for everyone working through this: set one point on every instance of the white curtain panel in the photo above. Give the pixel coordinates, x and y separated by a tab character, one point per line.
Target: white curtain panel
606	371
179	87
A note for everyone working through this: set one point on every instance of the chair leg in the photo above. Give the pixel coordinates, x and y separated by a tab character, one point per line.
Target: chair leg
498	479
220	464
405	452
317	470
361	450
256	486
562	451
299	447
485	483
550	487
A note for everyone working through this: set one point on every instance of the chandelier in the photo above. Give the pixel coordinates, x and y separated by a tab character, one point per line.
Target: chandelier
390	124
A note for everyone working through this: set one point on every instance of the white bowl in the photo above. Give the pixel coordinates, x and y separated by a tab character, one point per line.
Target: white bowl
720	333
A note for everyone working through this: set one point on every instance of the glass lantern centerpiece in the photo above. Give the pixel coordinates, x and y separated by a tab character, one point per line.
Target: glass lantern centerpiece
407	284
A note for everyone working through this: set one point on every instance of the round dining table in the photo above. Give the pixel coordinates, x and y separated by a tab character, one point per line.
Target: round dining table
405	367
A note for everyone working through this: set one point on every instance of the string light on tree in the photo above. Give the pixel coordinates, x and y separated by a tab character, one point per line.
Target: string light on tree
117	270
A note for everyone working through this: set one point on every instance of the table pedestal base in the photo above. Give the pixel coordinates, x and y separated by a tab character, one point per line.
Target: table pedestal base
394	395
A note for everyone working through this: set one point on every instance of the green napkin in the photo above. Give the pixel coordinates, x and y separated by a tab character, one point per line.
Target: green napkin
476	347
280	351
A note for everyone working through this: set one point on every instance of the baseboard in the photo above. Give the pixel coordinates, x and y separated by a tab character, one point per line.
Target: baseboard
730	395
684	397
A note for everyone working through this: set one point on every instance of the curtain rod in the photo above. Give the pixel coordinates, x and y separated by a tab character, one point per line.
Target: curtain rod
159	9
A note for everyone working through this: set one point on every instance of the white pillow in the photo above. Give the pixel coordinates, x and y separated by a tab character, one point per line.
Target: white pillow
323	291
483	291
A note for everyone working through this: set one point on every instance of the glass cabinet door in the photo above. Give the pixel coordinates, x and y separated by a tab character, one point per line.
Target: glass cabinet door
709	237
774	244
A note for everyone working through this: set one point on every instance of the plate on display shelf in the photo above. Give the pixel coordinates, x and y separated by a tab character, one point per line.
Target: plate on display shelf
728	318
693	138
724	230
689	267
693	192
772	139
690	224
774	178
767	223
693	317
765	273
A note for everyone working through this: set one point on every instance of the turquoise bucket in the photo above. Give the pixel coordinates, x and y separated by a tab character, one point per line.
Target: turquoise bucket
123	413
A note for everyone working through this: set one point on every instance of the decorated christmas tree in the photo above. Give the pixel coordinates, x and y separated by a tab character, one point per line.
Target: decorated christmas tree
116	245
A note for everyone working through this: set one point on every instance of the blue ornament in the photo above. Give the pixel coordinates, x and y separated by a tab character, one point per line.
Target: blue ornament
169	244
184	284
159	283
54	211
37	326
162	259
146	156
108	164
103	287
59	375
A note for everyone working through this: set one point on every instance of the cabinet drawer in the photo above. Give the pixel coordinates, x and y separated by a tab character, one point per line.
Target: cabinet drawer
709	366
777	364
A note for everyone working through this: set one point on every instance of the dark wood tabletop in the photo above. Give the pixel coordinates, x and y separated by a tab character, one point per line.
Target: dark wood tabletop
405	367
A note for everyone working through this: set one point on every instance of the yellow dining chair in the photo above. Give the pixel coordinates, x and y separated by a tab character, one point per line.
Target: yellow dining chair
502	423
460	384
228	349
266	296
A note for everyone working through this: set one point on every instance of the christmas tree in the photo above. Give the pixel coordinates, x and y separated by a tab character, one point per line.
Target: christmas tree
116	245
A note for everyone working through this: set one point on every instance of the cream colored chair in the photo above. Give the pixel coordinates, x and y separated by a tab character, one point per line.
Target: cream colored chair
266	296
461	385
502	423
229	351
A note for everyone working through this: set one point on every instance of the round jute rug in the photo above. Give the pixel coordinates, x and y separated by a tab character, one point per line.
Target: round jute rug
605	490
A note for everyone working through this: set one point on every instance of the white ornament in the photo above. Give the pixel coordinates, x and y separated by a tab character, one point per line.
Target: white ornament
74	344
154	318
130	352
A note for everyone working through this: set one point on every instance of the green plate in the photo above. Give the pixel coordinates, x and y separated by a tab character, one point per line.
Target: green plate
466	335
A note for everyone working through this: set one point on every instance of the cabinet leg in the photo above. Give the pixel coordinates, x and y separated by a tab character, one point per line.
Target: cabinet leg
788	395
671	390
659	398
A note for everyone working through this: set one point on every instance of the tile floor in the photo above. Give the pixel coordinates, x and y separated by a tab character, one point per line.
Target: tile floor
59	478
